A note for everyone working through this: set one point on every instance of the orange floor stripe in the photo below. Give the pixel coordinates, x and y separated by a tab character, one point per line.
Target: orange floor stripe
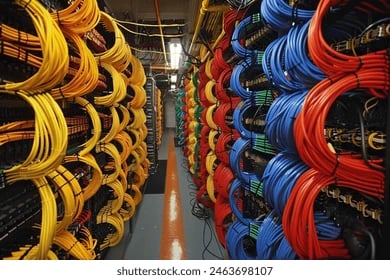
172	246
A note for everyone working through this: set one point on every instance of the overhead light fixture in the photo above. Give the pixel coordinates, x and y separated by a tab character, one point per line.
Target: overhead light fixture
173	78
175	52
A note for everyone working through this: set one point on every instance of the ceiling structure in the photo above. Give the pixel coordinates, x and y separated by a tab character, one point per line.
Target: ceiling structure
182	21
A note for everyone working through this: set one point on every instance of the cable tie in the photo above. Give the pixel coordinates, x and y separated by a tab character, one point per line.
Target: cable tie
26	5
360	64
71	247
58	18
357	79
26	56
63	185
336	165
61	92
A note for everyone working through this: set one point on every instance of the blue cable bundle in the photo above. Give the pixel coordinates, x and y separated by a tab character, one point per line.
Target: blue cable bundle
235	241
281	16
235	192
274	69
258	103
240	30
325	227
254	63
279	122
299	67
285	252
279	178
239	147
269	244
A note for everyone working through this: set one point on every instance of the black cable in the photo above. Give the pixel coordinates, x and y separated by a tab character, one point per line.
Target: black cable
363	142
206	246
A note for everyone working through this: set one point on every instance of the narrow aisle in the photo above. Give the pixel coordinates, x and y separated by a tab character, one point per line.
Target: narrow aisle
199	228
144	233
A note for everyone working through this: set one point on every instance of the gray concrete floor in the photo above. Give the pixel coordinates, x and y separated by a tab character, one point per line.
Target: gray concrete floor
143	233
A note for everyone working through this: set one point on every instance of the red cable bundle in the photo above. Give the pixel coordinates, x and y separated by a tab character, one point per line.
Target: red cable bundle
299	223
203	198
203	98
310	125
230	18
223	177
329	60
223	116
223	146
219	64
223	218
222	87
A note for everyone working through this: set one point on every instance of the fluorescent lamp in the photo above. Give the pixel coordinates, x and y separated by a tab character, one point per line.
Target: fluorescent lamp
173	78
175	53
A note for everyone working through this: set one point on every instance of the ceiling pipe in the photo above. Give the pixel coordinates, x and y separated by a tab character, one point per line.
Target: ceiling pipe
203	9
157	10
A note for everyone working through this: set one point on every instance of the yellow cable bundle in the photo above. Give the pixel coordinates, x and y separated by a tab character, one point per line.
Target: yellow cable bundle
146	166
54	64
144	130
105	215
116	203
119	87
96	124
212	134
203	52
209	90
138	175
87	240
138	118
97	176
209	116
86	77
29	252
19	38
138	96
138	76
210	187
123	179
142	151
126	143
65	191
159	117
69	243
48	220
136	193
114	165
136	160
128	208
192	139
211	159
50	139
79	17
76	188
207	68
119	55
125	117
135	136
114	126
125	168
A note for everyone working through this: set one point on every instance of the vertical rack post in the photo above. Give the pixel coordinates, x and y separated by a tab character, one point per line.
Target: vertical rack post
384	252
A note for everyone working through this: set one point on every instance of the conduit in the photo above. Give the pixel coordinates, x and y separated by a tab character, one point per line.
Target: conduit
157	10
